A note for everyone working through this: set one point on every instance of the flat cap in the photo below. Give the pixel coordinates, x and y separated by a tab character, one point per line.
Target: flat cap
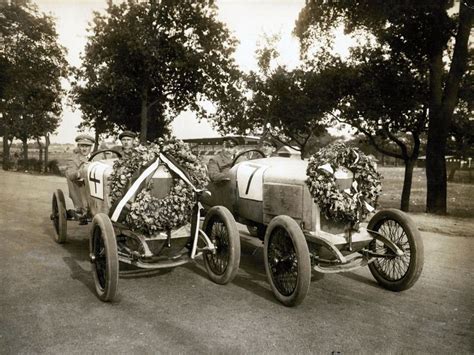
127	134
268	141
85	139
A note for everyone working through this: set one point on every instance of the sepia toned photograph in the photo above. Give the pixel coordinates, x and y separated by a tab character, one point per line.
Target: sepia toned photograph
236	177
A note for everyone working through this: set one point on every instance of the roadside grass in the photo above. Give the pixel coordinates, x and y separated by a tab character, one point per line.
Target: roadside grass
460	195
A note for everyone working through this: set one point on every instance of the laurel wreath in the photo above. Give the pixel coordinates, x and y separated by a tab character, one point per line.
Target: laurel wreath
353	204
148	214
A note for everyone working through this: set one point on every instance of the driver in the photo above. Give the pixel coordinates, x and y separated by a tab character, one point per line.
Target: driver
73	174
219	165
268	147
127	138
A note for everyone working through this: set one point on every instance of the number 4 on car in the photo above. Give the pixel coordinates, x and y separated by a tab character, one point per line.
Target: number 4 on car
117	236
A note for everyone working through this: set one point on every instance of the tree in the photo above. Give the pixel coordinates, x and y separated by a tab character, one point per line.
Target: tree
274	101
145	62
31	100
280	104
422	32
383	97
462	125
461	133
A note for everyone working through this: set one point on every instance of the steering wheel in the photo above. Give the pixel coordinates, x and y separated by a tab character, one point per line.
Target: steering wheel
248	155
104	152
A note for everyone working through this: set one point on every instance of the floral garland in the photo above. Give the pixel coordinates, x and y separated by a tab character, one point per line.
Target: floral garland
353	204
148	214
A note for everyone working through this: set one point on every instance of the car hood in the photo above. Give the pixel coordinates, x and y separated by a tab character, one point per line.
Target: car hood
283	170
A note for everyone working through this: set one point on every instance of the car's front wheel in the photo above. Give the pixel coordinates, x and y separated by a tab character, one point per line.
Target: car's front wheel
104	257
222	264
59	217
396	273
287	260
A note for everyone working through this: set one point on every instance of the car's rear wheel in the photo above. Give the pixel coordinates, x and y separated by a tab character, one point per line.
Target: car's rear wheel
59	217
223	264
396	273
287	260
104	257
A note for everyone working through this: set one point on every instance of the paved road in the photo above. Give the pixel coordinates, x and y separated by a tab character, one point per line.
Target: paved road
48	305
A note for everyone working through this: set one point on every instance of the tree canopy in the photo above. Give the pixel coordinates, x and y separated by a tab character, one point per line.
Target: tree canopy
420	34
35	64
276	101
145	62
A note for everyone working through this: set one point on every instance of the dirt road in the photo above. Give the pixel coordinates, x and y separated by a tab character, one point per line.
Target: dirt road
48	305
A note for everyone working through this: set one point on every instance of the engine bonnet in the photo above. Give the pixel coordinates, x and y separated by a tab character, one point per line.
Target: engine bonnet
284	170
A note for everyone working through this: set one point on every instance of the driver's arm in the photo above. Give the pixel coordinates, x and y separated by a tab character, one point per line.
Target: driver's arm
215	173
74	168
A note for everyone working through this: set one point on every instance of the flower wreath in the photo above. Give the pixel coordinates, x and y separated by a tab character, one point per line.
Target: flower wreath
148	214
352	204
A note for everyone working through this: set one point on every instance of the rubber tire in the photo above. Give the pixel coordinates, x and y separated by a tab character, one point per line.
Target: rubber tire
108	292
302	254
221	213
60	235
416	250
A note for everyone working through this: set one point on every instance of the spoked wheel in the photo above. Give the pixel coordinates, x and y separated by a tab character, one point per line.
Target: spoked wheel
59	217
104	257
287	260
396	273
222	265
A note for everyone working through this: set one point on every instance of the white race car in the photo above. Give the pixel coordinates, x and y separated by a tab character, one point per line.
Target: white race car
271	197
111	239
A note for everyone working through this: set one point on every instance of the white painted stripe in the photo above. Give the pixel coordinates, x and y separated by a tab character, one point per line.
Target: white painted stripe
177	170
133	189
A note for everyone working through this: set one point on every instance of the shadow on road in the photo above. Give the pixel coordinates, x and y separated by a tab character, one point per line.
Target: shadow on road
360	278
251	274
78	273
128	271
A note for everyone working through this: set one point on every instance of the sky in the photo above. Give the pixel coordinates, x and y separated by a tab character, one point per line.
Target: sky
246	19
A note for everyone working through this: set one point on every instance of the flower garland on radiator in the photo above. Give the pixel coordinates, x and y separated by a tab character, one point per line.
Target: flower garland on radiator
148	214
347	203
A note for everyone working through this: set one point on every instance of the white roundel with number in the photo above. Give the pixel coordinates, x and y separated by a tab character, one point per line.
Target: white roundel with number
96	172
250	180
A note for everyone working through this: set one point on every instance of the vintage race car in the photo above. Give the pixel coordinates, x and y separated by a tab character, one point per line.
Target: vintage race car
112	241
271	197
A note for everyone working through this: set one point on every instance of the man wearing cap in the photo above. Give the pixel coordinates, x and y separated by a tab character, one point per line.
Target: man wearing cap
127	138
73	172
219	165
268	147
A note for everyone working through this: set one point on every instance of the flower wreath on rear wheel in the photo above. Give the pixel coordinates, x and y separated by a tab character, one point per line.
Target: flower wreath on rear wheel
354	203
148	214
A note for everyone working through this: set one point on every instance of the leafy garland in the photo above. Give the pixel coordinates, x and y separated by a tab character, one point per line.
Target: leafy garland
355	204
147	213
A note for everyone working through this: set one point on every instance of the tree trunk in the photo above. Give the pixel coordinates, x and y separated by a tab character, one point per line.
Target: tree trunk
452	171
6	152
407	182
97	136
144	118
46	151
25	153
441	112
40	154
436	146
